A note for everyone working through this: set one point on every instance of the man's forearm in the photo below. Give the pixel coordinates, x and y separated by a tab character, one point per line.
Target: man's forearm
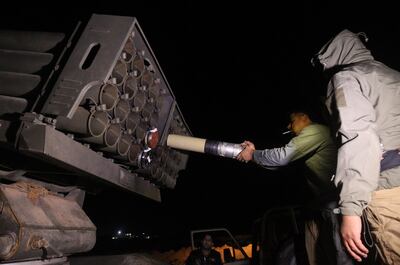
273	157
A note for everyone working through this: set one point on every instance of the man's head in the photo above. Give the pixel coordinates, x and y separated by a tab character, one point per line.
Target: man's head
298	121
207	242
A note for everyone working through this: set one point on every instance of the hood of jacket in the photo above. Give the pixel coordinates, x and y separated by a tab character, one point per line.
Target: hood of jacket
345	48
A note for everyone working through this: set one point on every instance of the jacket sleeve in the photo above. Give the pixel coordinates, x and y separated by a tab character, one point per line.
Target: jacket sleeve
359	153
304	144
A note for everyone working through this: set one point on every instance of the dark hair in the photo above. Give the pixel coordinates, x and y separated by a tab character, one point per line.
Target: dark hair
314	110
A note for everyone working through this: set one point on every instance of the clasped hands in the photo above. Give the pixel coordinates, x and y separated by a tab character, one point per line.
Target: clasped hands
247	153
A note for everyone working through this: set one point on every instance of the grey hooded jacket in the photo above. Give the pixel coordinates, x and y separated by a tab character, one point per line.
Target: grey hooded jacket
364	99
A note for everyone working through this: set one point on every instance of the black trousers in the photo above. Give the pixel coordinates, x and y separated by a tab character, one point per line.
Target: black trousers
322	237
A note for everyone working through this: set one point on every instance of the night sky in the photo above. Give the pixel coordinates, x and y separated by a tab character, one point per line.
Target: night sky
236	70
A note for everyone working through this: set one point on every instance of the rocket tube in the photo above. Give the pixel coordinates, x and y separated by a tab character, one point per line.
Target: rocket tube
200	145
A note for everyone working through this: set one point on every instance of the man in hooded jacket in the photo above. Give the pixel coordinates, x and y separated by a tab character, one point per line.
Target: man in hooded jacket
363	98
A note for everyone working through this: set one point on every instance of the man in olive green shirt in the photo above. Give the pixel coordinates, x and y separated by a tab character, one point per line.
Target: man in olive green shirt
313	144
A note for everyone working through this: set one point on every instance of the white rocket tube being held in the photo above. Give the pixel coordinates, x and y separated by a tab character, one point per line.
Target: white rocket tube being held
200	145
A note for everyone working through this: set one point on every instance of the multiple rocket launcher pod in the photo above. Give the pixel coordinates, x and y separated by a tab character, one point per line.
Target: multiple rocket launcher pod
83	111
96	105
78	113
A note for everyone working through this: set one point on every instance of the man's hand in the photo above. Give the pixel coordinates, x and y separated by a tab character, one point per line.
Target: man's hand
247	154
351	236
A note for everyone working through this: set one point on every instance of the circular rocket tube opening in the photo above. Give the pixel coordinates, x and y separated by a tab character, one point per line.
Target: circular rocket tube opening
123	144
84	122
147	79
112	134
97	123
119	72
129	51
137	65
122	109
109	96
139	101
130	87
109	138
132	121
134	154
154	92
141	131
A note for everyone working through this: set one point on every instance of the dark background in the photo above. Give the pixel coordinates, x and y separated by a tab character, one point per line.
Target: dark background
236	70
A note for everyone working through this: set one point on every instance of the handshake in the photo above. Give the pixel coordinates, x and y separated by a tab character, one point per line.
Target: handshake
247	153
